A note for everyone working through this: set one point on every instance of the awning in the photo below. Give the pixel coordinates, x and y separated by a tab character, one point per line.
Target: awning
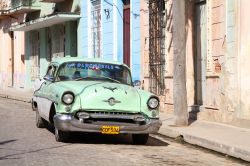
46	21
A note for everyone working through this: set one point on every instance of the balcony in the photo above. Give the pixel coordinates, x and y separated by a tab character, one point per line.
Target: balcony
52	1
45	21
20	6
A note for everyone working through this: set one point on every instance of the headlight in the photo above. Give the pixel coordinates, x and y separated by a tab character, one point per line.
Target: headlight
68	98
153	103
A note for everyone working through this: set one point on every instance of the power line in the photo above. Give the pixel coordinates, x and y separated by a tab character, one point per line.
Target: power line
112	4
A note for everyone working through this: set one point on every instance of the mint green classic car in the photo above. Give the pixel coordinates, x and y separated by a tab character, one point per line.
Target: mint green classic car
93	95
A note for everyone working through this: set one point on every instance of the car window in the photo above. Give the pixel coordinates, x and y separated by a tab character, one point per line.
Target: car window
88	70
51	71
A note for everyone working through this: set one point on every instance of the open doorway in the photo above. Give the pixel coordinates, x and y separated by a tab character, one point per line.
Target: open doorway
200	51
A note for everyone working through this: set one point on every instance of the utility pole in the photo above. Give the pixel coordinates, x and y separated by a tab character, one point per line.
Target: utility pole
179	77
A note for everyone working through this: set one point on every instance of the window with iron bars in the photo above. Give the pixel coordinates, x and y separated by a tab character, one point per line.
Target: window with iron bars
96	28
157	46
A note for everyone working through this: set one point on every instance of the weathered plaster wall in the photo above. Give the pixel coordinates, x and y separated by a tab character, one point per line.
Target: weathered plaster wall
189	55
167	99
144	33
190	52
6	52
228	81
222	74
4	4
244	59
169	57
19	60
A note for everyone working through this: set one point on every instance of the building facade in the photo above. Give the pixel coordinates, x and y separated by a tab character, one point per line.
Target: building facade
216	57
58	28
12	59
49	32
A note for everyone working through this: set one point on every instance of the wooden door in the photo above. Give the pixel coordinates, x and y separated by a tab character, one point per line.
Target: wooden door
126	35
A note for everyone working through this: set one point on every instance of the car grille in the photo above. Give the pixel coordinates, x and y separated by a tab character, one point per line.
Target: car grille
112	118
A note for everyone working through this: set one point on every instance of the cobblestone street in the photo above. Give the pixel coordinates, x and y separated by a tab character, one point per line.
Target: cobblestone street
22	144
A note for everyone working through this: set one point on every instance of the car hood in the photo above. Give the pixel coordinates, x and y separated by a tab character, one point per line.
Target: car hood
105	96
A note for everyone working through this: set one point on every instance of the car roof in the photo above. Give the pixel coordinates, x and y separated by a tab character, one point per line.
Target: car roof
61	60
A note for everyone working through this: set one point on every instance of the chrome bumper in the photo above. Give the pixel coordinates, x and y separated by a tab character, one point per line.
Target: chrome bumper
69	123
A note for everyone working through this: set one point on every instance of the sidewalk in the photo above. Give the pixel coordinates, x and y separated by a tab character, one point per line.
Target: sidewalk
14	94
226	139
230	140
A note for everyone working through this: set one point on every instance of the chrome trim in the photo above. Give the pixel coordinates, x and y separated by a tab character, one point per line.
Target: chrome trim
70	123
110	115
112	101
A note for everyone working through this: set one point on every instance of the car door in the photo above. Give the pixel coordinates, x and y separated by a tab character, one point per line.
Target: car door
46	93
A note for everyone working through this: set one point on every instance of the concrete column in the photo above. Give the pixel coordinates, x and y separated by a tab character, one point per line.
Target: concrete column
179	77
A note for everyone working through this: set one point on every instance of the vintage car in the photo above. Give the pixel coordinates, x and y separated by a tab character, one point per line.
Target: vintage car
93	95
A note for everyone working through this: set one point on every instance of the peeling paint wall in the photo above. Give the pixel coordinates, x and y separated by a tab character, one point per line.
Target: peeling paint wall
11	75
228	62
5	52
244	59
167	99
55	41
144	25
227	90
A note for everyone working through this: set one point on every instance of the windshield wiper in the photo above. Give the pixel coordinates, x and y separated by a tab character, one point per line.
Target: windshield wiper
82	78
100	77
108	78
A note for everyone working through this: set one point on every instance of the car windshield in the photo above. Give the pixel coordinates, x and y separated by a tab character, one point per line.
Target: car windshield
78	71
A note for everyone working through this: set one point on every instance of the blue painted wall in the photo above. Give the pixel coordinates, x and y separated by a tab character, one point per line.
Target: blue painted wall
108	29
111	28
82	31
119	22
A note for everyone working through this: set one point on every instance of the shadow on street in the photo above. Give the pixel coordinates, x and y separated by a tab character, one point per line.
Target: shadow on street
96	138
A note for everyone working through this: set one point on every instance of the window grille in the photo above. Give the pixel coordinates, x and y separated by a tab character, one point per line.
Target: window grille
156	46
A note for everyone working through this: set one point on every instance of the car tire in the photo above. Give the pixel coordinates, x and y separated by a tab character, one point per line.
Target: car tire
40	122
140	139
61	136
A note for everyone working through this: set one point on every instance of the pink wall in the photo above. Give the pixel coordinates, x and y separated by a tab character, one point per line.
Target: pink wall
6	54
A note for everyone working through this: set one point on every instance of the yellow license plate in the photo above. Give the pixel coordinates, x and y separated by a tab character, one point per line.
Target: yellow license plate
110	129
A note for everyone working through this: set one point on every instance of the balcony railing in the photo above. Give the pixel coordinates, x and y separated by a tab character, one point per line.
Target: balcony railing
21	3
18	6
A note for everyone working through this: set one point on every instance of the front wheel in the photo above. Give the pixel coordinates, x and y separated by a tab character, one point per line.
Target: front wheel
140	139
61	136
40	122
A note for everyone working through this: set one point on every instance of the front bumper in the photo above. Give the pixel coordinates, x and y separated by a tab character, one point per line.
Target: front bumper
70	123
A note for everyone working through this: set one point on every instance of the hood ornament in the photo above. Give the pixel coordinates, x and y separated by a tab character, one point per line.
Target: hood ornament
110	88
112	101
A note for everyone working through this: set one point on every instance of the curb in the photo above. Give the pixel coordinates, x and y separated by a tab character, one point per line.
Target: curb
27	100
230	150
219	147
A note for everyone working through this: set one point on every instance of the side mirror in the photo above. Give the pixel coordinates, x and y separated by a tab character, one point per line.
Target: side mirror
48	78
137	83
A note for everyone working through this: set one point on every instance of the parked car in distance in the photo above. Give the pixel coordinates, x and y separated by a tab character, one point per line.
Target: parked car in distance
93	95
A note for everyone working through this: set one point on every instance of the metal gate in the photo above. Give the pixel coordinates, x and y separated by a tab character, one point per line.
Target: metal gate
156	46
